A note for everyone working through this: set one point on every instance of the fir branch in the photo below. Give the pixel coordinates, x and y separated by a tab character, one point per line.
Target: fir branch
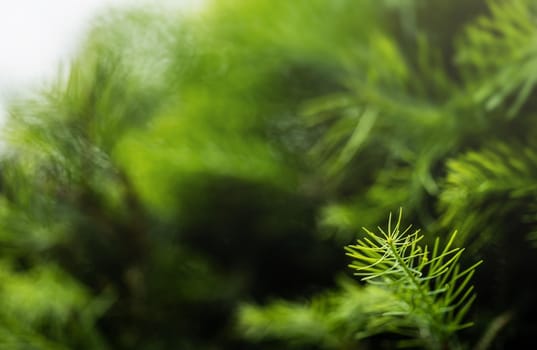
338	319
497	53
434	292
484	187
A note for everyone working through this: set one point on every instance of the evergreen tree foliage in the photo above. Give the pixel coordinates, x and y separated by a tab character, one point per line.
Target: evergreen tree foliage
496	56
489	184
338	319
189	180
412	291
433	291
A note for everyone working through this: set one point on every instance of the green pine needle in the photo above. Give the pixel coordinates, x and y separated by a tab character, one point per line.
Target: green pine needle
435	293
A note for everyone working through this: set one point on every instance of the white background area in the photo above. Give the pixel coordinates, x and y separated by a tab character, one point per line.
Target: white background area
37	36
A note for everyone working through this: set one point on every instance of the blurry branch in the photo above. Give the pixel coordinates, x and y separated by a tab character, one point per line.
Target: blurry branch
58	313
486	186
335	320
495	327
498	54
383	138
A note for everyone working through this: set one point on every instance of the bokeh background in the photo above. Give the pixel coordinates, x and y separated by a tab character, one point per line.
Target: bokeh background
188	175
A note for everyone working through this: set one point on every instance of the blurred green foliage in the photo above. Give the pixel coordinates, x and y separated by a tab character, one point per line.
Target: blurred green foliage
189	181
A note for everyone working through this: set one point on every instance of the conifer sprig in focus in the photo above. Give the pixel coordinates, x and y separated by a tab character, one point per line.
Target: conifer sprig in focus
435	293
